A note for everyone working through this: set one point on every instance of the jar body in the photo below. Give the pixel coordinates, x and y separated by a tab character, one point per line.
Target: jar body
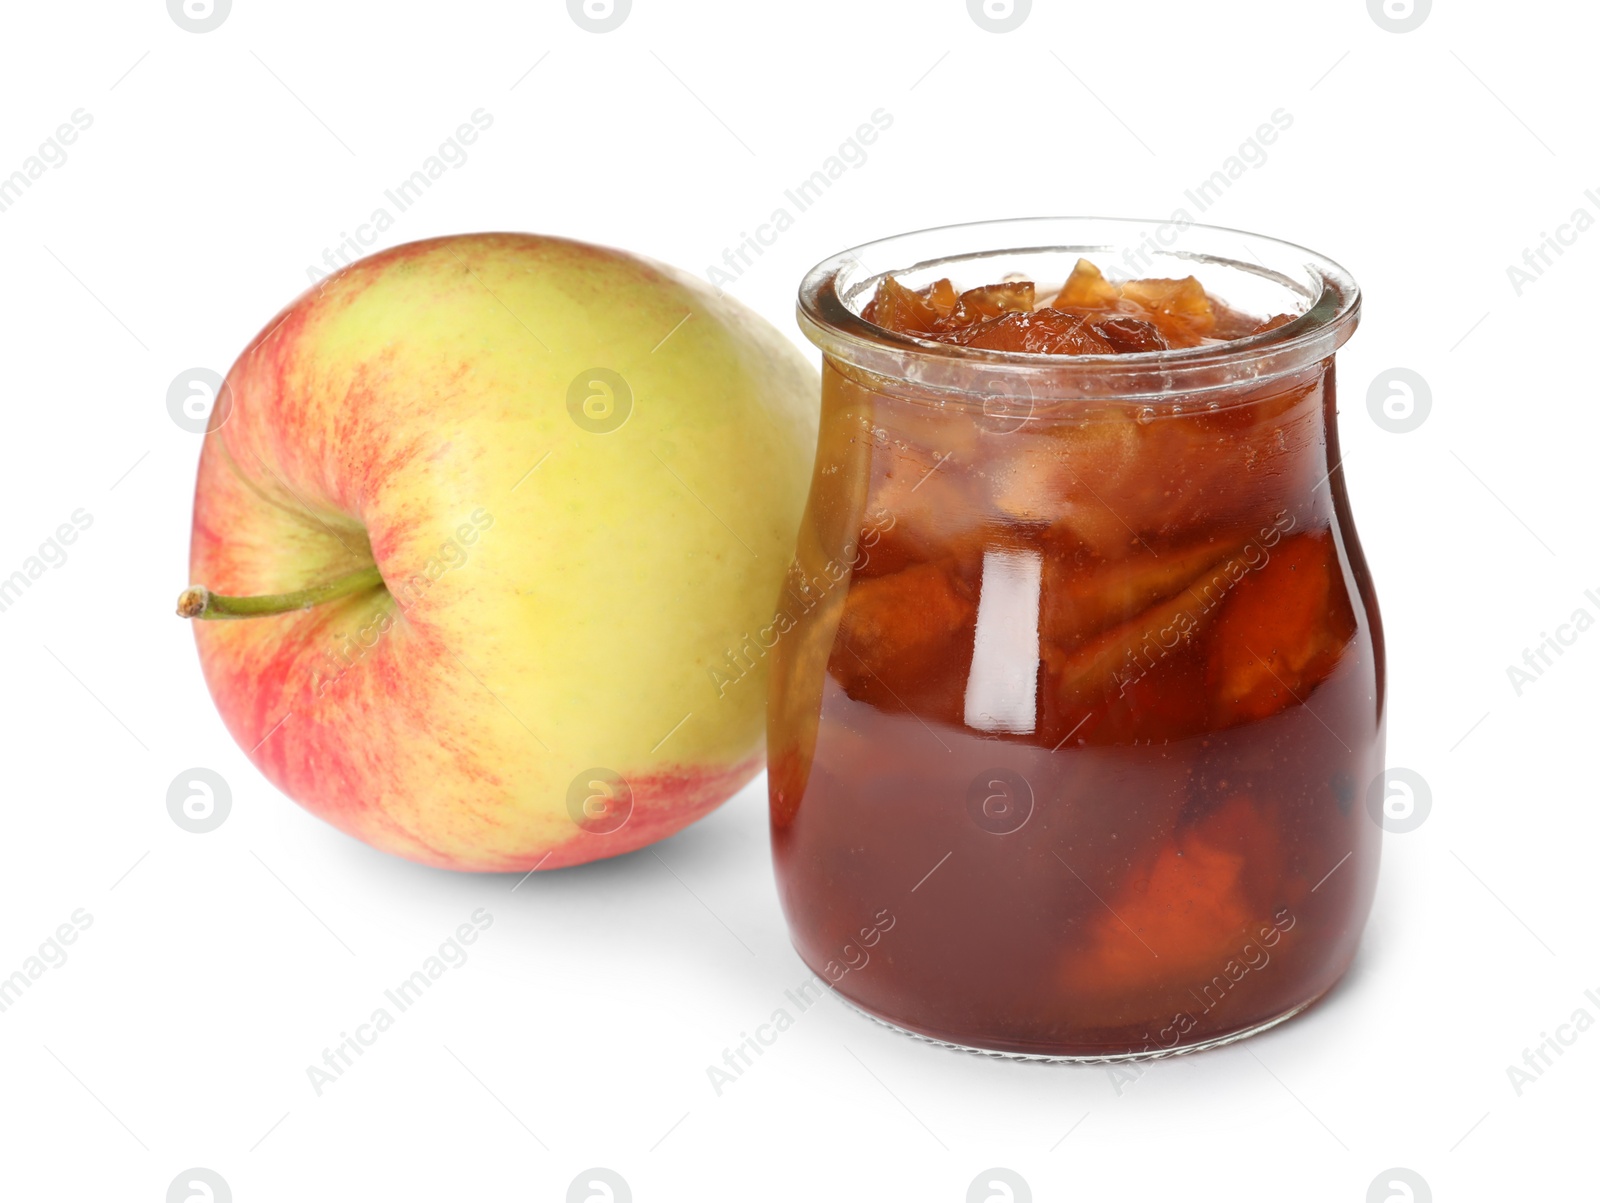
1073	715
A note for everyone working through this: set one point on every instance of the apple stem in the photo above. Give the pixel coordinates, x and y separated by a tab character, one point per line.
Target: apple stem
199	602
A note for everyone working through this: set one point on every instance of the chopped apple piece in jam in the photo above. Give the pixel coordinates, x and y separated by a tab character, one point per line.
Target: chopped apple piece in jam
1090	315
1086	288
1280	632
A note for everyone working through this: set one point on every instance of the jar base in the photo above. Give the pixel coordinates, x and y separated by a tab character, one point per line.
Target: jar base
1199	1046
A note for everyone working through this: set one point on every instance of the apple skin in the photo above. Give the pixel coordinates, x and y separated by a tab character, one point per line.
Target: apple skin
556	600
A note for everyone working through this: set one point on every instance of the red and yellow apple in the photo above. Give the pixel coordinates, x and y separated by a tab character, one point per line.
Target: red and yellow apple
487	536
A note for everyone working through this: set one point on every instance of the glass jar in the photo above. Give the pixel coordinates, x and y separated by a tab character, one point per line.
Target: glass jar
1078	681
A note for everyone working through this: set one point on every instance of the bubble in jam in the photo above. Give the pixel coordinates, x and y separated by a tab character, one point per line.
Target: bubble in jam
1090	315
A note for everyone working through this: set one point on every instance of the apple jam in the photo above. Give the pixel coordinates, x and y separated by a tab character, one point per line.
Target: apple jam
1088	316
1080	671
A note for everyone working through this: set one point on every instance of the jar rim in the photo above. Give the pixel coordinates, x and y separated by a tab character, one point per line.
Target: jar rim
1332	306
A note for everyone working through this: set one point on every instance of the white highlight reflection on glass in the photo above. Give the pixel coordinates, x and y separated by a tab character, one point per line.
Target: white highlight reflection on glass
1002	687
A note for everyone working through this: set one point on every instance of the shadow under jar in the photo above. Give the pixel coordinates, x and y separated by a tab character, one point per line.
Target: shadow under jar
1077	681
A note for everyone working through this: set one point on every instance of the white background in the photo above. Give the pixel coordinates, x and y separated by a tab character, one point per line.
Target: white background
218	967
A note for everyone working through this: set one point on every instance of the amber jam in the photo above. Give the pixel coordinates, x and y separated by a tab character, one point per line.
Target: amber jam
1078	687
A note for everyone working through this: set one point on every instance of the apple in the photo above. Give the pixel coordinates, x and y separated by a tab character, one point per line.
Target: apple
488	532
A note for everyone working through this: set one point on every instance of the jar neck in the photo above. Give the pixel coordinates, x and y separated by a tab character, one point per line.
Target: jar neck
1109	478
1002	403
